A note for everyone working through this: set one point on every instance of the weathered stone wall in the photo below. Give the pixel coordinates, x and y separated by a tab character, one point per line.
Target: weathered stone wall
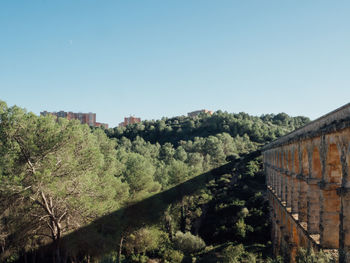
308	186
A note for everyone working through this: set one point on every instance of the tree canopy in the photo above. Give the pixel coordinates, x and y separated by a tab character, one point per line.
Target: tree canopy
174	130
58	176
55	177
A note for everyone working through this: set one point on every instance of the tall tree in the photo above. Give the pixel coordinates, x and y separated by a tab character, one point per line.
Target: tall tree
55	177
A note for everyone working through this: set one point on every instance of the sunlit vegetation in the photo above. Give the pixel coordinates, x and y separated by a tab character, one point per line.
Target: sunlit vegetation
57	177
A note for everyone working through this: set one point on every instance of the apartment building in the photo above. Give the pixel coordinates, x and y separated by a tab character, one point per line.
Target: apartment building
84	118
129	120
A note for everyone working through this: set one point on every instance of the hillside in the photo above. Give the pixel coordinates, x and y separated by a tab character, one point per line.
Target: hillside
172	190
259	129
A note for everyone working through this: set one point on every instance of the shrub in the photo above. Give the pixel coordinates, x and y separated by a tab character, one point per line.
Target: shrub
310	256
188	243
237	254
278	259
173	256
146	239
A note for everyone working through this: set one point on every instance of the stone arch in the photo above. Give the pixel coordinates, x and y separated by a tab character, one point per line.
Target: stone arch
296	161
305	162
316	164
333	164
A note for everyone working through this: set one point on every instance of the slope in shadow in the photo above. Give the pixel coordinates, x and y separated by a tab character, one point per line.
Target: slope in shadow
103	235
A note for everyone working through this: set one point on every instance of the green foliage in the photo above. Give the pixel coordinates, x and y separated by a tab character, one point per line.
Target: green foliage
275	260
240	228
109	258
177	172
237	210
237	254
180	154
139	174
173	256
57	176
146	240
310	256
188	243
174	130
167	152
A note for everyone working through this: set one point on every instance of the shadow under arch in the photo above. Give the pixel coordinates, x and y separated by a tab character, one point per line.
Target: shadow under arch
103	235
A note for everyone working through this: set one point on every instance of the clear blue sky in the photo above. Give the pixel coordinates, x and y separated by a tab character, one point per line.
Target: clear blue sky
166	58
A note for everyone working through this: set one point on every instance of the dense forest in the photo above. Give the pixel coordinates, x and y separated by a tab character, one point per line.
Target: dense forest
172	190
260	130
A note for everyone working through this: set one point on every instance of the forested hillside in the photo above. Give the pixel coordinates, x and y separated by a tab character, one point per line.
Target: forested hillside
259	129
59	176
229	215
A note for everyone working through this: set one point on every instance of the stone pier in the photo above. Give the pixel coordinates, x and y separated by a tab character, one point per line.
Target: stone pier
307	176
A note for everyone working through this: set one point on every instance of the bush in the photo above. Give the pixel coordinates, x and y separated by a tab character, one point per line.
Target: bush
173	256
310	256
146	239
188	243
237	254
139	258
278	259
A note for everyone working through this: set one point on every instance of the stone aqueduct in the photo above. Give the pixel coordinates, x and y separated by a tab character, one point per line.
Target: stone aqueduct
307	176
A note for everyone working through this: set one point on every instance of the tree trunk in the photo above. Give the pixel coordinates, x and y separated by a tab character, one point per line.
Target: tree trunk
34	256
120	249
57	255
169	227
65	258
183	217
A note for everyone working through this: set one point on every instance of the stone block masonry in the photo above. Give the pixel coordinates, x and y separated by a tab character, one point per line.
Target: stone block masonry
307	177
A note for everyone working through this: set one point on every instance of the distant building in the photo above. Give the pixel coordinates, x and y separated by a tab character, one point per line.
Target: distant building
129	120
99	124
84	118
197	112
